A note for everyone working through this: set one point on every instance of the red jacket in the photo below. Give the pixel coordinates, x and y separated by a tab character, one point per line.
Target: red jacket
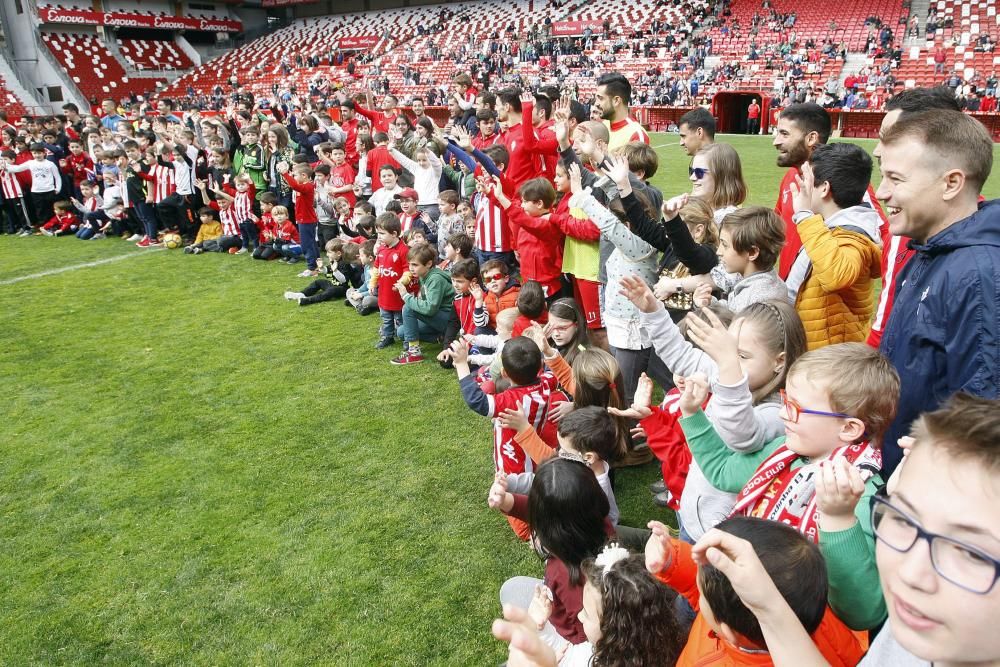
539	245
376	159
77	167
518	140
288	231
305	202
379	120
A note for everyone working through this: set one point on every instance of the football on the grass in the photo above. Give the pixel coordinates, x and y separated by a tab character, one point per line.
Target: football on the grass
172	241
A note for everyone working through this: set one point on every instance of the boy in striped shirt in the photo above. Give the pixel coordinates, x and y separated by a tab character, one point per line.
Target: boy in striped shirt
13	198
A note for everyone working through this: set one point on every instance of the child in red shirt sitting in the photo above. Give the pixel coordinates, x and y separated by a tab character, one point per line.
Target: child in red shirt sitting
64	221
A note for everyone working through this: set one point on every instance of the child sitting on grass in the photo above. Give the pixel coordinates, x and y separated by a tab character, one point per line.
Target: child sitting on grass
209	233
588	434
427	314
627	615
530	392
501	293
341	273
361	298
531	304
465	280
725	632
63	223
750	240
457	247
490	346
837	404
569	524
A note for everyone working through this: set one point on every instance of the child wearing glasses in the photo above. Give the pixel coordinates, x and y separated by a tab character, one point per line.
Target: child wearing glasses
837	403
937	550
716	176
501	293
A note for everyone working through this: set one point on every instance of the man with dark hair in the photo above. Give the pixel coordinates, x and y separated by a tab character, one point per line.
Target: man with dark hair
614	94
165	107
110	117
511	110
895	249
697	130
801	128
944	333
832	278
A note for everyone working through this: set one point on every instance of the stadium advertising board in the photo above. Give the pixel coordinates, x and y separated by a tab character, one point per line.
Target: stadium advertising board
126	20
575	28
282	3
358	42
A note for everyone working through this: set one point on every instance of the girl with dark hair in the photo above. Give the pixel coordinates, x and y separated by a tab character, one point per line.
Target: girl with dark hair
568	515
307	136
627	615
568	328
277	149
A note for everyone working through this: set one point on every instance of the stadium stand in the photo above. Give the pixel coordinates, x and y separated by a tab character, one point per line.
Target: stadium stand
150	54
95	71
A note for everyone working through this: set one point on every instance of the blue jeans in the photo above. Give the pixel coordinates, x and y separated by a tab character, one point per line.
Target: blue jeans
307	237
417	327
507	257
392	322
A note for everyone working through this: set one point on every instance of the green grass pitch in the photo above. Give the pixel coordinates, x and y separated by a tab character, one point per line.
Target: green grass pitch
195	471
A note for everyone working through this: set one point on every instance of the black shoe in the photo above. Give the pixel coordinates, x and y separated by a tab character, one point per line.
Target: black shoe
384	343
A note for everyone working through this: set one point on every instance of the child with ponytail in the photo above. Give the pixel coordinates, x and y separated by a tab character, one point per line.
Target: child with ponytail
746	366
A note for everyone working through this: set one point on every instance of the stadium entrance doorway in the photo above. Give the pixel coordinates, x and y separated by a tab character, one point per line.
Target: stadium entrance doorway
730	110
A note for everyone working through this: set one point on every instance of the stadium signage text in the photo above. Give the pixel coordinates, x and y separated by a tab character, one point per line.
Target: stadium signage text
575	28
358	42
122	19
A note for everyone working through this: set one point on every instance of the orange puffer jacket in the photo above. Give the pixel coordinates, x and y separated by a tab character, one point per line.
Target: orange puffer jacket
836	300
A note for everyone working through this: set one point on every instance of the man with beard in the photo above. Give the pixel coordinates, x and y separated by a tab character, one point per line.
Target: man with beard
801	128
614	93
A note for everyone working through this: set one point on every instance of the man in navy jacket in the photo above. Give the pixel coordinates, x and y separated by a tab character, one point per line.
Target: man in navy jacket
942	336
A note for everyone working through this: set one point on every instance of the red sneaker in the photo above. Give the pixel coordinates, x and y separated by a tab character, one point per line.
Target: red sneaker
407	358
144	243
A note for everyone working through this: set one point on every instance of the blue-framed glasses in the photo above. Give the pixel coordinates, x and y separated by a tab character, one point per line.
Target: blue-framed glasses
966	566
698	172
793	409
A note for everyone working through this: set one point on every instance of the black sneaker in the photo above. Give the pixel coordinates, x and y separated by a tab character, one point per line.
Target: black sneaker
384	343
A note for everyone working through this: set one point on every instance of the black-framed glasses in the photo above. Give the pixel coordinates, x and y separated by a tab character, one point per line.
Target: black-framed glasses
698	172
964	565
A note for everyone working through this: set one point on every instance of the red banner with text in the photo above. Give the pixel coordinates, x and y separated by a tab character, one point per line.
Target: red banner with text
575	28
358	42
126	20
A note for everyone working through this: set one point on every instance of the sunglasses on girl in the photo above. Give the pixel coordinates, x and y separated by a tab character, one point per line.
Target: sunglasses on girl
698	172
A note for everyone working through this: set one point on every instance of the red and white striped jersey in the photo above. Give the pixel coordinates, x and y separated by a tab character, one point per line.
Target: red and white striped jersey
11	186
406	221
230	221
243	207
492	230
533	401
162	179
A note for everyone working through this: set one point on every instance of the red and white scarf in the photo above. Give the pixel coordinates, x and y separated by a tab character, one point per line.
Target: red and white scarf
778	493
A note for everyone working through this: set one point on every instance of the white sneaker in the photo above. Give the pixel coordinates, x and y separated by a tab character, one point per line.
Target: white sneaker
242	251
294	296
134	238
47	232
307	274
98	235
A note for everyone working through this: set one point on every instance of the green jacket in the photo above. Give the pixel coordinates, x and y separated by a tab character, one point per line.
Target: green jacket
855	592
436	294
250	160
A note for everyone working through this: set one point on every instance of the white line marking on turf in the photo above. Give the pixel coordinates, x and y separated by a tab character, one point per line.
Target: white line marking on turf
87	265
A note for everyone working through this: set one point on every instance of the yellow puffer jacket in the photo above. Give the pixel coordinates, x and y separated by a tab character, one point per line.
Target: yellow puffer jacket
837	298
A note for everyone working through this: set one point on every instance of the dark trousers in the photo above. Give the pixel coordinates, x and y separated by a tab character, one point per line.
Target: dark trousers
634	363
307	238
227	242
16	215
267	251
321	290
326	234
251	235
43	202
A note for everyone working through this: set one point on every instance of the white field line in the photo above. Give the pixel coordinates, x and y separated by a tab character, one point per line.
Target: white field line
87	265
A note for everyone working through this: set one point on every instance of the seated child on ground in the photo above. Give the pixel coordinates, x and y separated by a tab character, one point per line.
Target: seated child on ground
837	404
341	273
530	391
725	632
501	293
456	247
361	298
209	233
63	223
531	304
425	315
